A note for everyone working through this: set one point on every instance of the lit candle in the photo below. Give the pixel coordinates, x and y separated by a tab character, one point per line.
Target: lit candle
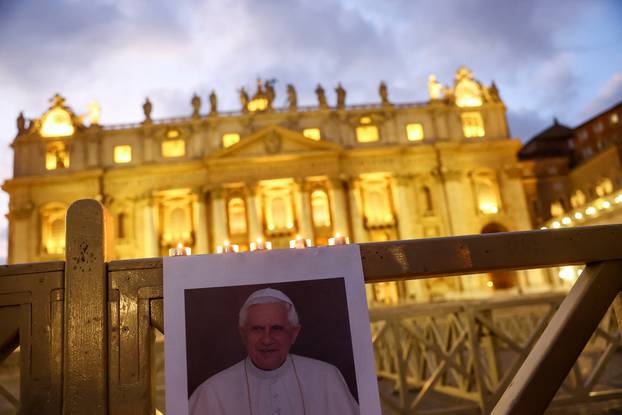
227	247
299	242
260	245
339	239
180	250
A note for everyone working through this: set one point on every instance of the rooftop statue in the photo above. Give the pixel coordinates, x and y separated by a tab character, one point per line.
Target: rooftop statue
94	113
21	124
196	106
384	93
341	96
292	98
213	103
270	94
244	99
321	97
435	88
147	108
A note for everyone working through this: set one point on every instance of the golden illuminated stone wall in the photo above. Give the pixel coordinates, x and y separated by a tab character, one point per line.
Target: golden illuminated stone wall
373	172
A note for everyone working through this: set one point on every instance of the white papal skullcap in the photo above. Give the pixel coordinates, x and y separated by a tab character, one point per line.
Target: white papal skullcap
268	296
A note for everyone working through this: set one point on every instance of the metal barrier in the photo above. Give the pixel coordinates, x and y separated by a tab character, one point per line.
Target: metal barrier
86	327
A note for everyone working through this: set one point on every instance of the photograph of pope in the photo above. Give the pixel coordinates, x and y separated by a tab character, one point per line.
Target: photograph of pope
271	380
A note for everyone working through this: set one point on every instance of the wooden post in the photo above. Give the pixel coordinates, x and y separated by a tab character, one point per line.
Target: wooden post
85	348
545	368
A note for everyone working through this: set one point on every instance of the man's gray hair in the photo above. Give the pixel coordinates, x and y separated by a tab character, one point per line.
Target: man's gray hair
269	296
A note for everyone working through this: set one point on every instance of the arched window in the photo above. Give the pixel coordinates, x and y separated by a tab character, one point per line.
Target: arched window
320	209
237	216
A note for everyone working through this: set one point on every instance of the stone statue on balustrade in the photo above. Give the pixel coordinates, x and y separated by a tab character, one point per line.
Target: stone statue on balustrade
21	124
244	99
383	91
292	98
213	103
196	106
341	96
321	97
147	108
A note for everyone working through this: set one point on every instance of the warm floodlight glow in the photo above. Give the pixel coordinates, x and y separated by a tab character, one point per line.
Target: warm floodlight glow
414	132
556	224
605	205
590	211
566	220
258	104
56	156
230	139
122	154
56	123
312	133
578	216
488	208
172	133
567	273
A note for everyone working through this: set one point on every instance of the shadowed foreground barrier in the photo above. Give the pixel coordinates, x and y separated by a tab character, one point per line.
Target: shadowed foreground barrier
85	327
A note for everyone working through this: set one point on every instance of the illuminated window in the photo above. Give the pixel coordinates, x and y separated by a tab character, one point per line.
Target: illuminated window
365	120
472	124
237	216
367	134
56	123
230	139
172	133
414	132
173	148
614	118
122	154
312	133
53	229
486	192
320	209
56	156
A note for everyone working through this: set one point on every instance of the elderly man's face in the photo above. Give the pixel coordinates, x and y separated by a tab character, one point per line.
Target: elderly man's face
268	335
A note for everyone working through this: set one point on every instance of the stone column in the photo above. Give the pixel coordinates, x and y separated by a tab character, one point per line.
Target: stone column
219	218
150	228
404	202
201	243
359	235
253	212
303	210
338	209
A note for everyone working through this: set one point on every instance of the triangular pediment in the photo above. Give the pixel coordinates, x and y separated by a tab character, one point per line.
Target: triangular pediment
272	141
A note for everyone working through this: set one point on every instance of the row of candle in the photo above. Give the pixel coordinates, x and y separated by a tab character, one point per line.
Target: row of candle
261	245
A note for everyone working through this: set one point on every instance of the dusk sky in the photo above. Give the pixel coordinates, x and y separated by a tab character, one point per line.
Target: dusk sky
548	58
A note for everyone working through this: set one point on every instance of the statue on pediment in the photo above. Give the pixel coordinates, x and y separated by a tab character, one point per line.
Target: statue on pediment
213	103
292	98
435	89
341	96
21	124
383	91
270	94
147	108
196	106
244	99
321	97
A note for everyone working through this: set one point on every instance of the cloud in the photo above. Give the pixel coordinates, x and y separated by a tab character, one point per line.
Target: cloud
525	124
609	94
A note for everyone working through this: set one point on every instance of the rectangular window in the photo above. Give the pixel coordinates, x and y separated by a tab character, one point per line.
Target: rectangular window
122	154
366	133
312	133
472	124
230	139
173	148
414	132
56	156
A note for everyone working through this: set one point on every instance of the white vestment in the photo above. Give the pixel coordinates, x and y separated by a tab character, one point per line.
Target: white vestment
322	390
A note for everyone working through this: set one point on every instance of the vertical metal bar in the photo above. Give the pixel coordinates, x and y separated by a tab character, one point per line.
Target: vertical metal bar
85	348
560	345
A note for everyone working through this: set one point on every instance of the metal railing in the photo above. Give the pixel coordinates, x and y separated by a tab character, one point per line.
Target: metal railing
86	327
